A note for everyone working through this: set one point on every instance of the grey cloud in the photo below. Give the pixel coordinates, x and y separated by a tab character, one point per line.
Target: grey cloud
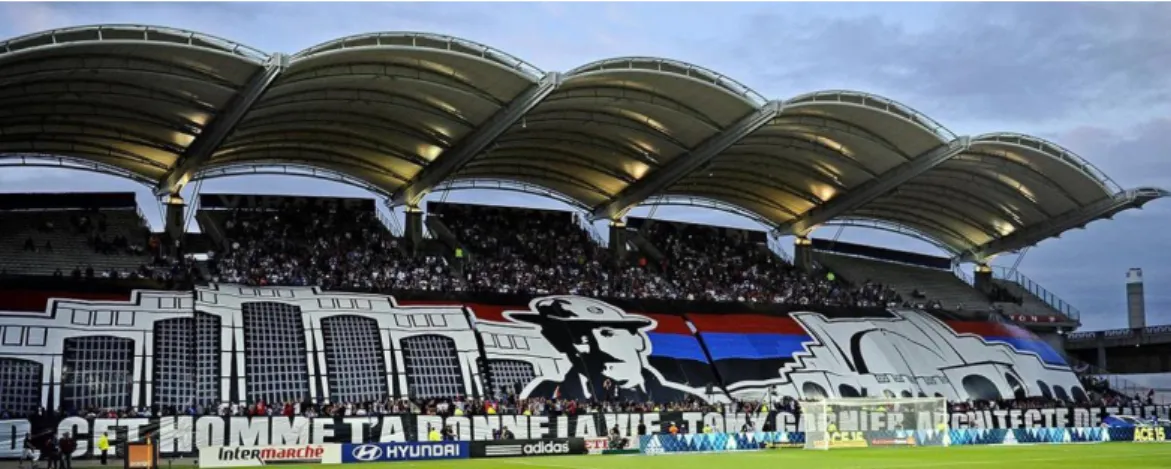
272	27
1086	267
1018	61
1137	156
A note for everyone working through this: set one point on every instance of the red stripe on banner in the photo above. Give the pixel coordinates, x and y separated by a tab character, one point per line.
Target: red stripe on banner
990	329
746	324
668	323
33	301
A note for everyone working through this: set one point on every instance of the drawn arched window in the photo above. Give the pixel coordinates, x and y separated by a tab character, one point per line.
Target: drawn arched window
980	388
97	371
811	390
1059	392
179	349
275	365
1044	388
20	381
1079	394
511	375
354	359
1018	389
846	390
432	367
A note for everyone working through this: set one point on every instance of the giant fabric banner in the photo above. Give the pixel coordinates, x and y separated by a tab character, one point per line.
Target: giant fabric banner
169	349
185	435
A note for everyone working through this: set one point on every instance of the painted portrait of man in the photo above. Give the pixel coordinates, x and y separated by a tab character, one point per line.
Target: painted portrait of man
607	347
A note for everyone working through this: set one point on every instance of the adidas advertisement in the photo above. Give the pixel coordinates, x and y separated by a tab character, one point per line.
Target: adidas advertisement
526	448
547	448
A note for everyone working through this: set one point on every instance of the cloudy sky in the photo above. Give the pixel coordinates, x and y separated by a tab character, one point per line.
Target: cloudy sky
1095	78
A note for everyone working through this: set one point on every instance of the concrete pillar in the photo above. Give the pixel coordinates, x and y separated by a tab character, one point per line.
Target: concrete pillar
982	278
174	213
803	253
618	239
414	226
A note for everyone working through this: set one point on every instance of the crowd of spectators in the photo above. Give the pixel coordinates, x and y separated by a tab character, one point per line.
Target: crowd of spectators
527	251
512	405
338	248
722	264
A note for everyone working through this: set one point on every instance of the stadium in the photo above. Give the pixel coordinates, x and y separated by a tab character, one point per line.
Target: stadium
310	330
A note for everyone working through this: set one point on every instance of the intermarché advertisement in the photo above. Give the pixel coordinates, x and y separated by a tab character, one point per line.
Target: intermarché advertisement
244	456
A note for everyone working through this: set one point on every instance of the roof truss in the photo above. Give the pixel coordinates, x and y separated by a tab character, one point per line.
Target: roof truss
671	173
221	126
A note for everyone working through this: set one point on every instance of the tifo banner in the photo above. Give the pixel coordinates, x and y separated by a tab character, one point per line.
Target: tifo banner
223	456
525	448
186	435
327	345
412	451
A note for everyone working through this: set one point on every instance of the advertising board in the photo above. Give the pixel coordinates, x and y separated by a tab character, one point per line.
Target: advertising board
252	456
405	451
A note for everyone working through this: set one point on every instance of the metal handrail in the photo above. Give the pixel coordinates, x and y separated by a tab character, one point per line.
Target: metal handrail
1116	383
774	245
583	222
390	223
959	273
1002	273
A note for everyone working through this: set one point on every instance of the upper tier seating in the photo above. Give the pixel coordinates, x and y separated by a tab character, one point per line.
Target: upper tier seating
1029	305
526	251
340	248
725	264
916	285
44	242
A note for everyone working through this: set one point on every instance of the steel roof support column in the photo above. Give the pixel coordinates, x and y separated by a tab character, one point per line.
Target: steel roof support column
474	143
665	176
176	211
982	278
618	240
1105	208
414	227
872	189
220	127
803	253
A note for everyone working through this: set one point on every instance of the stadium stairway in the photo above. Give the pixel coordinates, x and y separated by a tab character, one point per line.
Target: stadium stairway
211	226
644	246
934	284
70	248
444	235
1032	304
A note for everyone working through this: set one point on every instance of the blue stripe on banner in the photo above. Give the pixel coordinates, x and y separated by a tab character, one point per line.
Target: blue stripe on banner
724	345
1047	354
678	346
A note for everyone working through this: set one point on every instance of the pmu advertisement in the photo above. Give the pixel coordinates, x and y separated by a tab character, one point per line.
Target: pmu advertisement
373	452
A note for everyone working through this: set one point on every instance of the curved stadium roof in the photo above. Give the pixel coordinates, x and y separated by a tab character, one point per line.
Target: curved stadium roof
402	114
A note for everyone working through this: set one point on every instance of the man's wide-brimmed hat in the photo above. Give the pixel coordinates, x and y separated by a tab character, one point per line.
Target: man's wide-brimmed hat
578	312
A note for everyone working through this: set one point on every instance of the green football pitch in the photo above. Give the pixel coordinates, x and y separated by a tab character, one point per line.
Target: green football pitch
1077	456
